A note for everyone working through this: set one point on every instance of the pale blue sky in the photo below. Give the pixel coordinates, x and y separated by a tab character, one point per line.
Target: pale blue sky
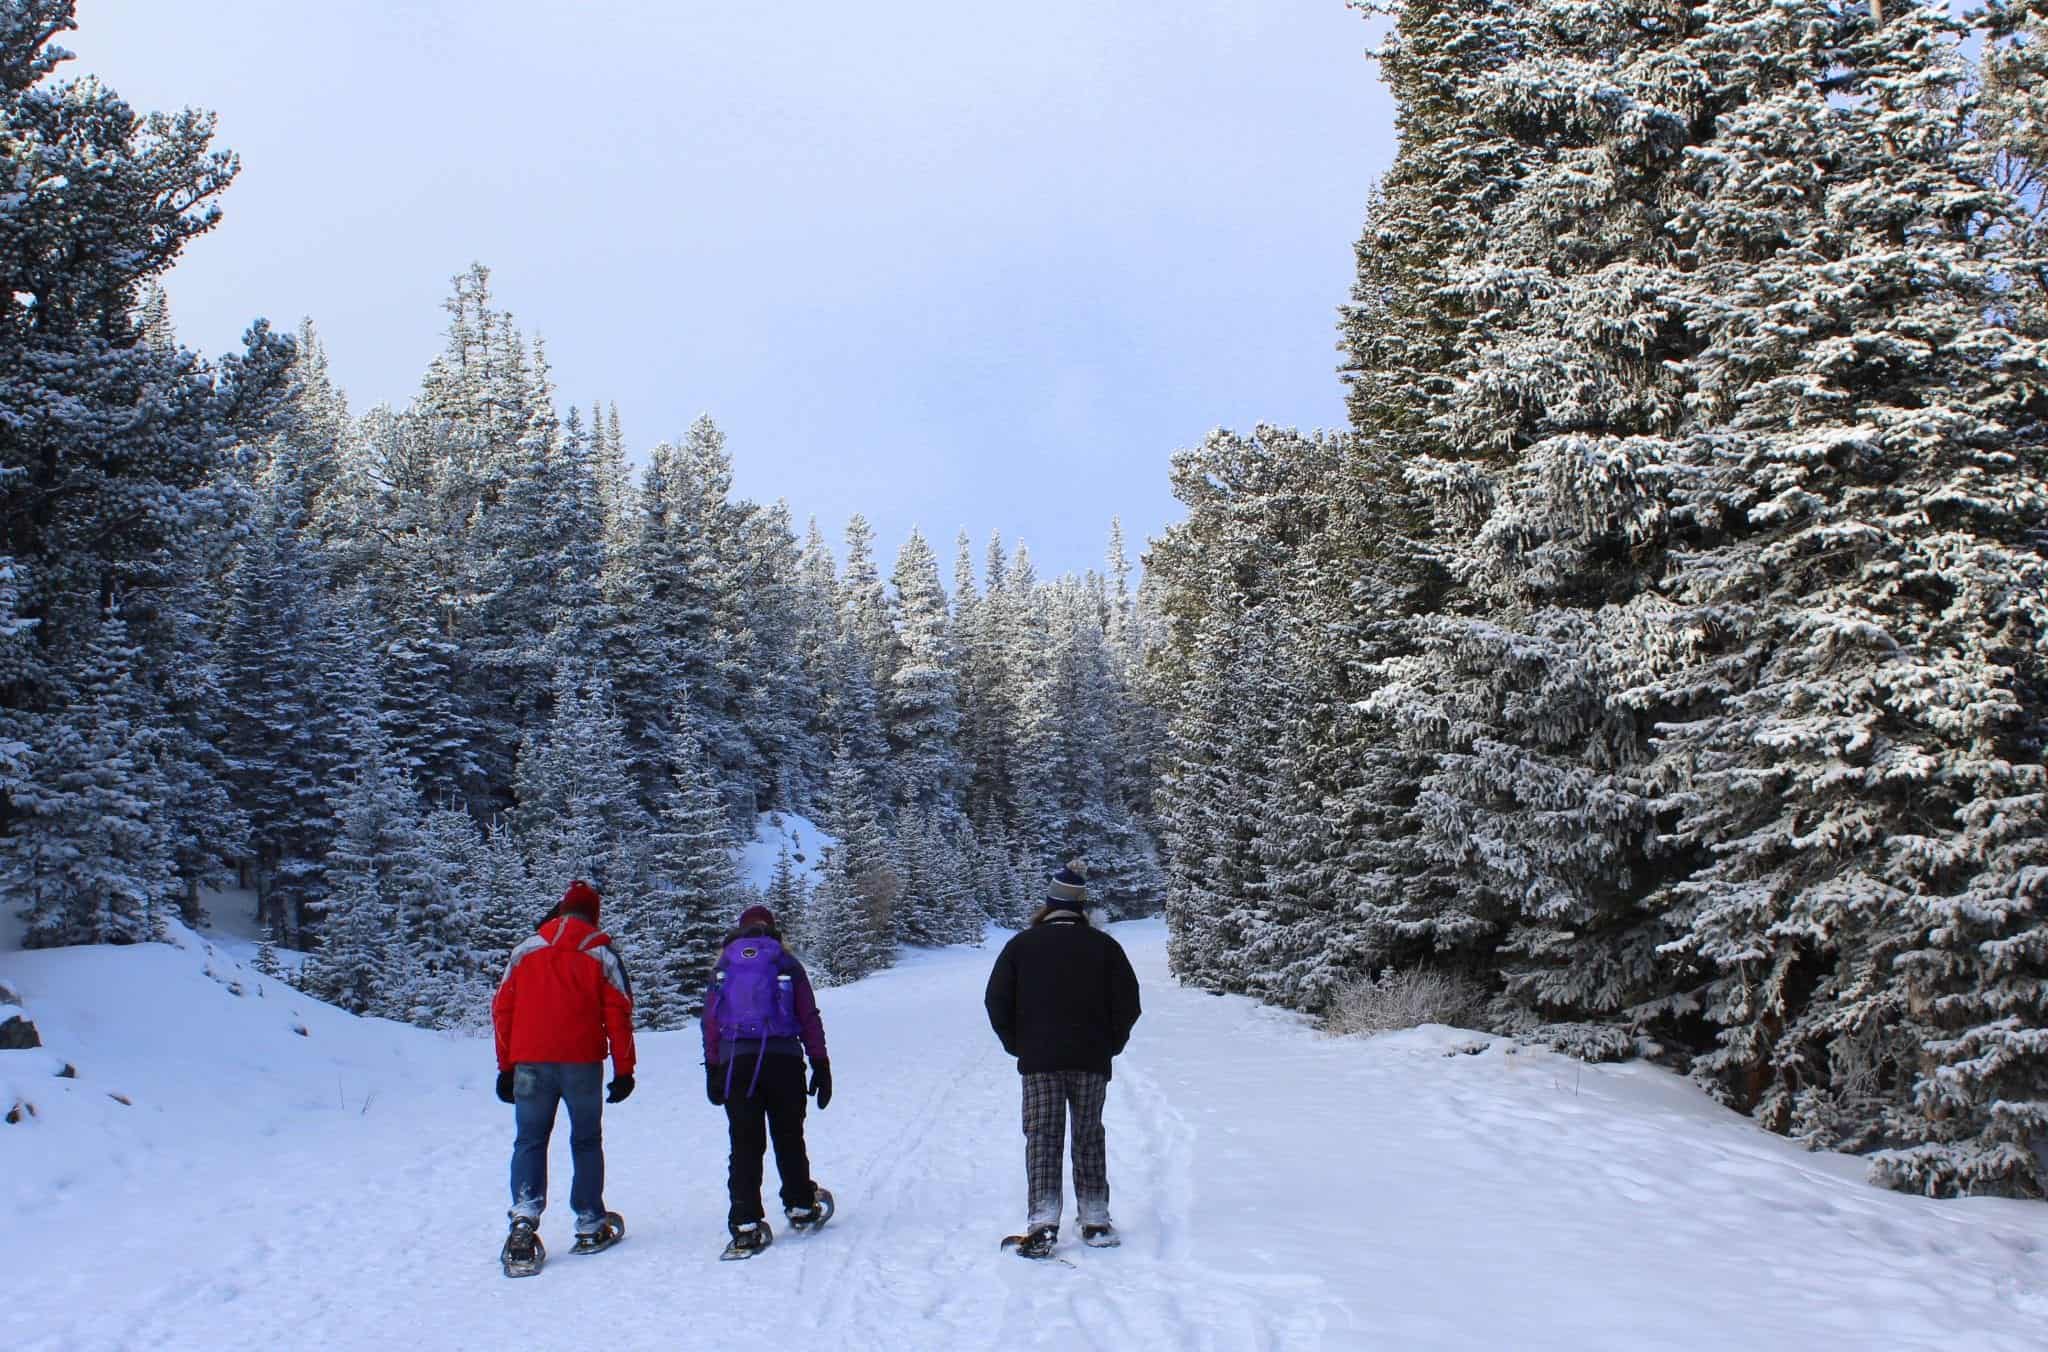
946	264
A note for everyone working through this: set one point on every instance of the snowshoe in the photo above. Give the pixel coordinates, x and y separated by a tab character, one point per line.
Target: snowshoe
609	1231
1038	1242
1103	1236
523	1252
747	1240
805	1219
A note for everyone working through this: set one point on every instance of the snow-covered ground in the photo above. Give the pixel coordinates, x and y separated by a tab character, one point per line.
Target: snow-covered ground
775	832
282	1175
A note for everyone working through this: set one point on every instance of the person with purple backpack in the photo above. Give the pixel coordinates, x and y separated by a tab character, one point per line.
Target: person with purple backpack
760	1021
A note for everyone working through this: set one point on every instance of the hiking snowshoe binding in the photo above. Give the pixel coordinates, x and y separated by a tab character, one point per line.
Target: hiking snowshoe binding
1038	1242
523	1252
747	1240
1103	1236
805	1219
609	1231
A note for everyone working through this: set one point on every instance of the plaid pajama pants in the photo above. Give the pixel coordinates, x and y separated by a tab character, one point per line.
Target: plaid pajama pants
1048	1098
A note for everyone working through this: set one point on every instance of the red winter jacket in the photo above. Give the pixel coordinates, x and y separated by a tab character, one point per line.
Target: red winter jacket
564	997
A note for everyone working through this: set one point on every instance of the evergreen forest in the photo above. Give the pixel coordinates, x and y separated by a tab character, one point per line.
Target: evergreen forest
1657	655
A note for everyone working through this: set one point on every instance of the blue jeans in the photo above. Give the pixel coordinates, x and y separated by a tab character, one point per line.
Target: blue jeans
536	1087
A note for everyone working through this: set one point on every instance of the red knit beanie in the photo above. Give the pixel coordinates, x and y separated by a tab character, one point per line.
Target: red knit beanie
581	898
757	915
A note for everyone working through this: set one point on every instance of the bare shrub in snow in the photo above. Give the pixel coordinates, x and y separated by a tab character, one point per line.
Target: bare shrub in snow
1403	999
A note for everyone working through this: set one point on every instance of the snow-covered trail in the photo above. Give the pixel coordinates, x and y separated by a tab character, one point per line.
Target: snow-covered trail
1277	1190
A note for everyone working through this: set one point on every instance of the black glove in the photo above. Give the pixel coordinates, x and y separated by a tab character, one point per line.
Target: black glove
821	1083
505	1086
714	1085
619	1088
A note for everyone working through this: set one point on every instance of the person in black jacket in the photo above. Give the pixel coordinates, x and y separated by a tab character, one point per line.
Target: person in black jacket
1063	999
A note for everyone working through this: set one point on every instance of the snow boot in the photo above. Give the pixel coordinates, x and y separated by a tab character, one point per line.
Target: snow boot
523	1252
1103	1236
1038	1242
747	1240
609	1231
812	1217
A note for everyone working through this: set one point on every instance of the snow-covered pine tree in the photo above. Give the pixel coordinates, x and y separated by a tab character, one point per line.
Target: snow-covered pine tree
867	623
1137	728
847	714
1856	572
923	714
396	521
962	637
865	608
1006	886
443	918
573	509
376	874
857	714
87	854
1737	498
265	962
1290	851
432	733
935	904
1537	424
783	694
846	925
789	898
508	903
852	817
17	726
506	515
916	918
1211	675
1431	215
285	767
728	696
613	476
305	453
82	346
986	687
864	853
1096	822
1033	703
646	626
578	813
693	892
153	318
209	834
669	649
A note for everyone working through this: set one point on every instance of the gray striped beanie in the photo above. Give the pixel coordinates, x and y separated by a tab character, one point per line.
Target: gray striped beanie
1069	887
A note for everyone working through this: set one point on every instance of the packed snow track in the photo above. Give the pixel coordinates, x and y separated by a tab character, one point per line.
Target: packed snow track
264	1188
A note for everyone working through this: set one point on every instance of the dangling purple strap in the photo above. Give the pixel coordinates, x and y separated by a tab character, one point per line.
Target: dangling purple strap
759	1057
734	1064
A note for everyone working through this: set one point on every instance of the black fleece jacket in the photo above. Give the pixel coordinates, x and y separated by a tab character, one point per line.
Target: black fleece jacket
1063	997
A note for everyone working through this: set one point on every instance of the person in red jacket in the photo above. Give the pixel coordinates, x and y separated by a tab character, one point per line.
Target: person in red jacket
565	1001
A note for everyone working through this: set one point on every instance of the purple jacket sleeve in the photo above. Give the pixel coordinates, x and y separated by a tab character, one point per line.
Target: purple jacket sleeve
807	1016
710	1021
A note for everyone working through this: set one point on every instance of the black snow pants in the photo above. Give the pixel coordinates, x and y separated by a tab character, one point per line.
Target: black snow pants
775	1110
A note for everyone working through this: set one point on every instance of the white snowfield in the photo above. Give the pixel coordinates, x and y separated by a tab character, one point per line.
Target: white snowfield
344	1188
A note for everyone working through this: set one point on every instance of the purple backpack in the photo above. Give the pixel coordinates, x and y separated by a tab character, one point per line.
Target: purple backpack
756	998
